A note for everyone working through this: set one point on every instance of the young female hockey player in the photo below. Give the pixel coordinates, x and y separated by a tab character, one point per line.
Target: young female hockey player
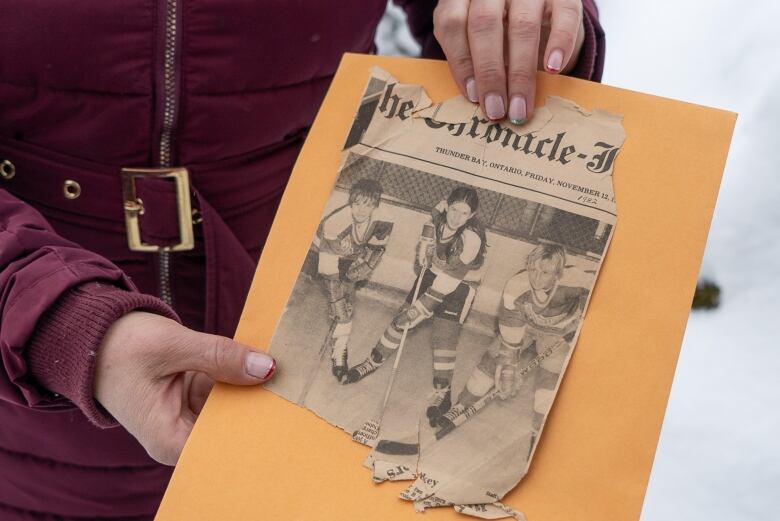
536	303
351	243
452	248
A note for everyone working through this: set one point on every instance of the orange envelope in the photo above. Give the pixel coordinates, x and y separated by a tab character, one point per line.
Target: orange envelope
254	455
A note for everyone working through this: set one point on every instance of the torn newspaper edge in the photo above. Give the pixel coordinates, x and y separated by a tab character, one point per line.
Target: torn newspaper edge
444	291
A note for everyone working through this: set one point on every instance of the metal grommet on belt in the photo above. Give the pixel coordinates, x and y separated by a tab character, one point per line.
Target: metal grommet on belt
71	189
7	170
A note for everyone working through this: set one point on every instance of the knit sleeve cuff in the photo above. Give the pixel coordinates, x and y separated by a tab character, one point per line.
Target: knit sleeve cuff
62	352
590	62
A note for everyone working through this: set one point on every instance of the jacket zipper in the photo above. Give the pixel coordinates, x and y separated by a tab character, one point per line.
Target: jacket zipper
168	121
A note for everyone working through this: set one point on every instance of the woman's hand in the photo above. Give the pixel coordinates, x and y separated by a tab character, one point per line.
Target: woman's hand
154	375
494	48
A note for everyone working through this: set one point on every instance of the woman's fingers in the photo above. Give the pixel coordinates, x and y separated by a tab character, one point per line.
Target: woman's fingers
449	26
219	357
199	389
565	30
495	47
486	43
523	26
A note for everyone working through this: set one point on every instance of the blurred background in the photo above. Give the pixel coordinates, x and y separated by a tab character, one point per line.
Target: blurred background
719	455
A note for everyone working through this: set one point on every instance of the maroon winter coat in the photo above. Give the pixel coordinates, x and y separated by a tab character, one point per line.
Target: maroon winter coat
226	89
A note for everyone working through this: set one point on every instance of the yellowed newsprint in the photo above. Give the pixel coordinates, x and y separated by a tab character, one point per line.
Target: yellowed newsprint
445	287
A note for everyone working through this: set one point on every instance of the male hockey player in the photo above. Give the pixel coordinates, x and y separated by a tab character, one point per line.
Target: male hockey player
535	306
351	243
451	250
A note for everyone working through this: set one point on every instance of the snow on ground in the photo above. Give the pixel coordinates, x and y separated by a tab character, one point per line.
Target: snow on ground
718	457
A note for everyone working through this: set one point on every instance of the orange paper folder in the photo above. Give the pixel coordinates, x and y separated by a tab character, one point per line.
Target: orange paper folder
254	455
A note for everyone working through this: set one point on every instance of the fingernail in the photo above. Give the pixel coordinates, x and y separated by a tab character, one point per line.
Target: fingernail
555	61
260	365
494	106
517	110
471	90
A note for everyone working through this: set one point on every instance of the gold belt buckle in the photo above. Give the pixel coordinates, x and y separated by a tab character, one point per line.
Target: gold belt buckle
134	207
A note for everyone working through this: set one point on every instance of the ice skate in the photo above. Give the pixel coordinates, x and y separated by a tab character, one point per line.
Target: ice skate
339	358
441	403
446	422
364	368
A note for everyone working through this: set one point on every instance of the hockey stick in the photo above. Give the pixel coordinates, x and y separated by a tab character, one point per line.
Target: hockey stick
323	349
369	432
489	397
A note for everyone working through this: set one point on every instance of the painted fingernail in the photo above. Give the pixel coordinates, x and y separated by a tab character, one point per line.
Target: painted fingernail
517	110
260	365
494	106
555	61
471	90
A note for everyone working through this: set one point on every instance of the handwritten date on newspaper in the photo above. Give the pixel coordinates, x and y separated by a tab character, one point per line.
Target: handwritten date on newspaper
446	286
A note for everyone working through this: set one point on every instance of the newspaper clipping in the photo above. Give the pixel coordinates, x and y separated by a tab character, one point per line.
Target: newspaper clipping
446	285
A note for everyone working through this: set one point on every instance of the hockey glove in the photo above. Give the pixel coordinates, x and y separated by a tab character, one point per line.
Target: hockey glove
425	245
415	314
359	270
507	381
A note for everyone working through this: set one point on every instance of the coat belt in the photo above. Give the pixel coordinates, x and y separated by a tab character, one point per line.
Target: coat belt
48	179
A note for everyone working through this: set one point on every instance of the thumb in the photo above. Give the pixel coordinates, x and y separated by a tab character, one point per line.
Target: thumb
227	361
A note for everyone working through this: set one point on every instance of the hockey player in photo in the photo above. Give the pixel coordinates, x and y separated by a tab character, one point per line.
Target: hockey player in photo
538	307
352	240
451	251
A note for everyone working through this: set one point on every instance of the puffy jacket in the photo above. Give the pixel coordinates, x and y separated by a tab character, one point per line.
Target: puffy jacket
225	89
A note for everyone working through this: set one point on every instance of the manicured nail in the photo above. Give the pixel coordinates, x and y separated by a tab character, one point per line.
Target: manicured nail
260	365
471	90
517	110
494	106
555	61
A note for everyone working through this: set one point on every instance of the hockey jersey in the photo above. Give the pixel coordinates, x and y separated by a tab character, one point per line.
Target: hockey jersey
558	313
340	235
461	253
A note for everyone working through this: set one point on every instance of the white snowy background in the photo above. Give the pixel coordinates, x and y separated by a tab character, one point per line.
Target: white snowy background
719	455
